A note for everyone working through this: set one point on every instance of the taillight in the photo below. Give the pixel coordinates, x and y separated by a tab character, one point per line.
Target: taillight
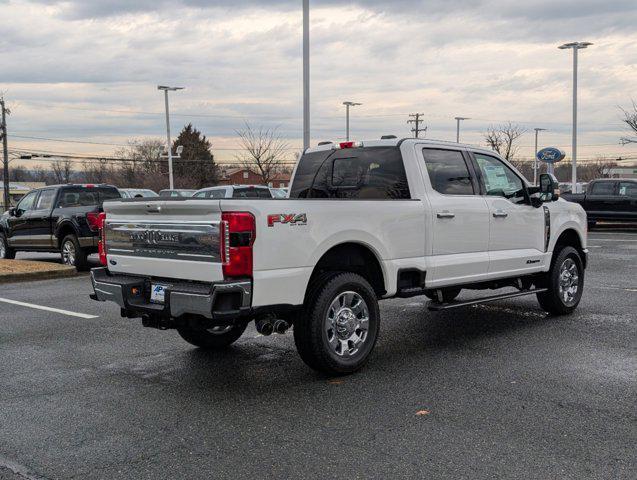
101	244
92	218
237	238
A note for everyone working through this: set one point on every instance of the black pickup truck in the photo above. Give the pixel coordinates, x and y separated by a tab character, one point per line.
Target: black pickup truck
60	218
613	199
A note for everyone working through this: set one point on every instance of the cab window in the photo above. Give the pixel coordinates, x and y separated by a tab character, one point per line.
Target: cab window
628	189
26	203
603	188
448	172
497	178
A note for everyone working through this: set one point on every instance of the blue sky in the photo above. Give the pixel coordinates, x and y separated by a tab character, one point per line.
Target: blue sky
87	70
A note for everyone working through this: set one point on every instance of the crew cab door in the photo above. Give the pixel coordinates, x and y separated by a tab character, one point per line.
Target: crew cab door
459	219
19	234
39	220
627	204
601	200
516	232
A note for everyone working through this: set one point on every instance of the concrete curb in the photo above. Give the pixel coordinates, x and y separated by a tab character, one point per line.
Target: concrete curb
45	275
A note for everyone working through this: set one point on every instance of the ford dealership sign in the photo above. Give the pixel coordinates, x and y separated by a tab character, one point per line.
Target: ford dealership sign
550	155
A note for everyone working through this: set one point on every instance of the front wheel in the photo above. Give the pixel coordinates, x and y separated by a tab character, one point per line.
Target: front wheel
339	324
213	338
6	252
565	283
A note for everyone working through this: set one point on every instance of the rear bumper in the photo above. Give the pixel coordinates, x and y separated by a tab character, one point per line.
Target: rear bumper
214	301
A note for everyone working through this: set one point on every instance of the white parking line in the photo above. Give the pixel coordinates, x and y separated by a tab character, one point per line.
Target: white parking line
48	309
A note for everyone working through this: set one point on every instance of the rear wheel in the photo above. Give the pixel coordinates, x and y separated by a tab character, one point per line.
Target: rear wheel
6	252
565	283
72	254
212	338
339	324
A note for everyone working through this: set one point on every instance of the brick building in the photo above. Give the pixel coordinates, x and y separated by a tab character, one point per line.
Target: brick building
245	176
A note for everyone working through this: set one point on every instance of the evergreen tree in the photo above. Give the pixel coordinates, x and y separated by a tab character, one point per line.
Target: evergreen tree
196	168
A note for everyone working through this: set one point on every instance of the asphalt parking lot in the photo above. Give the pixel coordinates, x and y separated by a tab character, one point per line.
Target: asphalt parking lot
493	391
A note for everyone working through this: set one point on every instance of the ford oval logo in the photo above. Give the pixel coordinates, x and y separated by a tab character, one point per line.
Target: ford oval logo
550	155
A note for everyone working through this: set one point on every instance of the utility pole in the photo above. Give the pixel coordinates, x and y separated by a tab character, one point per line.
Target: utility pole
347	107
169	147
306	74
458	120
5	154
575	46
535	164
415	118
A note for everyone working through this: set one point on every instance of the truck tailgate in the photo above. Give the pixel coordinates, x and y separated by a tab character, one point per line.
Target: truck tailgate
178	239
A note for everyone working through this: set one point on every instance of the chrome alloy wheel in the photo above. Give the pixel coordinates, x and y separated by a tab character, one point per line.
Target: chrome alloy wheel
569	282
68	253
347	324
3	248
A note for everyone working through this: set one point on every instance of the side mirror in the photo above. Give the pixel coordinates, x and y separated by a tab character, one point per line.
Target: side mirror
549	187
12	212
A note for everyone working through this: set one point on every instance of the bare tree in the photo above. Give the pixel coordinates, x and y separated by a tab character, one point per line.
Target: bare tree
602	166
62	170
264	151
141	165
630	119
97	171
503	139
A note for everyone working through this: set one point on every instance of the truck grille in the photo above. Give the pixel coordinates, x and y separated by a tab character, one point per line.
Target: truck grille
199	242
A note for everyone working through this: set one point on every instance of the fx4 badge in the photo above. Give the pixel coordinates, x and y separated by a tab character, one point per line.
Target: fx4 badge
287	218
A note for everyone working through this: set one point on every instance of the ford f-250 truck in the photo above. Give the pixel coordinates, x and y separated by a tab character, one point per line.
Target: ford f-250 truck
364	222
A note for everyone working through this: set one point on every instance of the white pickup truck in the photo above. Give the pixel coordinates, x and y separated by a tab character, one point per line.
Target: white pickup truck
364	221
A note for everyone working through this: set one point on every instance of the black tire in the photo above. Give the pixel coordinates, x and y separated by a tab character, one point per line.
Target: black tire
553	301
448	294
6	252
213	339
341	355
72	254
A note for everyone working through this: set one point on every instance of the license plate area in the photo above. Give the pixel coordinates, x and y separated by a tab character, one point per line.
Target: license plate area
158	293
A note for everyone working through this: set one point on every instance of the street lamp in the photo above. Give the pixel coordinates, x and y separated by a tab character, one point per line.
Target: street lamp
575	46
535	165
347	107
168	145
458	120
306	74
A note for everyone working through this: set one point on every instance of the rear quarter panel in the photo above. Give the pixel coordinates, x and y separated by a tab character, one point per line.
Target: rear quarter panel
285	254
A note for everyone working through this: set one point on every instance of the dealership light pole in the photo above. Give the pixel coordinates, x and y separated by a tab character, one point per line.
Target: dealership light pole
169	149
535	164
306	74
458	120
347	107
575	46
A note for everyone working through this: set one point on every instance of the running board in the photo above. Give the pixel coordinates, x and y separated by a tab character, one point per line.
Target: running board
436	307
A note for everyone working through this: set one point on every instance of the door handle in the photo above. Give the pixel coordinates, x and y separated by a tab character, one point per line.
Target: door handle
500	214
445	214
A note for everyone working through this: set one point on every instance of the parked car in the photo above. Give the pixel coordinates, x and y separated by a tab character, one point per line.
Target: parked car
613	199
234	191
137	193
279	192
364	222
176	193
62	218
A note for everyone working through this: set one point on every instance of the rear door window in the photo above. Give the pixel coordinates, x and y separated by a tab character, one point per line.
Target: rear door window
448	172
45	201
628	189
603	188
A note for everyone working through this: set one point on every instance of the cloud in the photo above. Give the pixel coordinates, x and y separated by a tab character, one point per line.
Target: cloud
490	60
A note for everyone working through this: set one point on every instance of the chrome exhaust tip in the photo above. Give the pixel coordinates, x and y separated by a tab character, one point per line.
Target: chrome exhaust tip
281	326
264	327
